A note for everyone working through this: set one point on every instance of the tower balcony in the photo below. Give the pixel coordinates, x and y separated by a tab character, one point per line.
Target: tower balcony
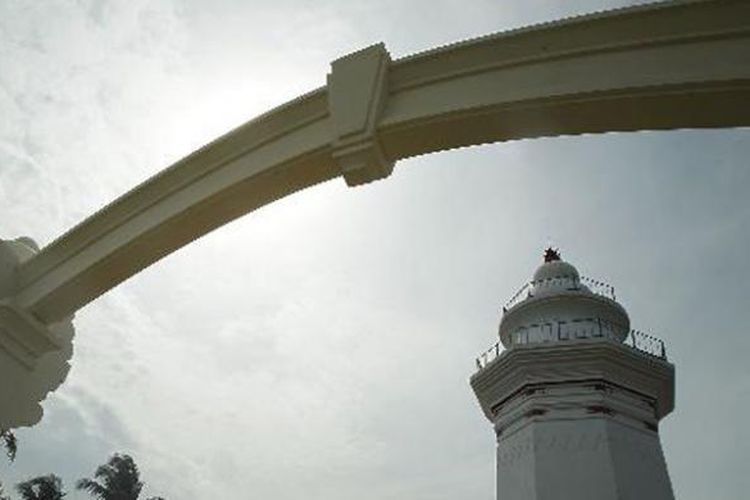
595	286
577	329
639	365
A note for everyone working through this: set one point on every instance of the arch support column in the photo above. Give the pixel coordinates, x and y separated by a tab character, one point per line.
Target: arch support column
34	356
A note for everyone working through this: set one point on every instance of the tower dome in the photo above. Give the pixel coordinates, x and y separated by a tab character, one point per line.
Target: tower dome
556	307
554	275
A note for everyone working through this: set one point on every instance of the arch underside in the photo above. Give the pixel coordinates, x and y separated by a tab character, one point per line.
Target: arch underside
667	66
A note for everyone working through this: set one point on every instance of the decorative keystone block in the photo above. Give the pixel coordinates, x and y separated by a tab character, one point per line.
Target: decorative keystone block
357	91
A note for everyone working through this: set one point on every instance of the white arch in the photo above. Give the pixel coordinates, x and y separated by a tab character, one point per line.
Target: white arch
683	64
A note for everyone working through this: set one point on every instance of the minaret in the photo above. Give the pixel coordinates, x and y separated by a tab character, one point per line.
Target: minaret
576	396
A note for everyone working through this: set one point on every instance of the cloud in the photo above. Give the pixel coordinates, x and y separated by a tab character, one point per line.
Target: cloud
76	91
322	346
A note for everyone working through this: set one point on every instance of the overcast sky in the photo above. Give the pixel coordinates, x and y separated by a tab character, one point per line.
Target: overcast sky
321	346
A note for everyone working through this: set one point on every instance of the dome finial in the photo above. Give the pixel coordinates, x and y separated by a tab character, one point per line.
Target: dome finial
551	254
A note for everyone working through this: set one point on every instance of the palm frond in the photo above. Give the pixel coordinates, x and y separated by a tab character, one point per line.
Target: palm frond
9	442
92	487
3	496
47	487
118	479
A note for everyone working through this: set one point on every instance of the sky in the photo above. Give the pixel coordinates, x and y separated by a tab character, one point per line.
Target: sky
322	345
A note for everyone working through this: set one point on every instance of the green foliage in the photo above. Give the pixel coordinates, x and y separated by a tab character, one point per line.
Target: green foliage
118	479
3	496
8	441
41	488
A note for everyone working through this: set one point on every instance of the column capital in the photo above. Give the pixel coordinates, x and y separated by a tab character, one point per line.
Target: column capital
34	356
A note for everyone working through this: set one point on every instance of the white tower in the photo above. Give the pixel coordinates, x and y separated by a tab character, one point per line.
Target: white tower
576	396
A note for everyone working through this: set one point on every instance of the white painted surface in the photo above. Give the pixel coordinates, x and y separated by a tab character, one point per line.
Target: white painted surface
558	307
575	418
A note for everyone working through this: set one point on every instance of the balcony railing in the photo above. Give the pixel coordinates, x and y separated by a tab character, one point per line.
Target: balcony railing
599	287
522	294
646	343
596	287
488	356
586	328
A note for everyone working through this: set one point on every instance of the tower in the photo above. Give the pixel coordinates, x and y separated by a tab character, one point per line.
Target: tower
576	396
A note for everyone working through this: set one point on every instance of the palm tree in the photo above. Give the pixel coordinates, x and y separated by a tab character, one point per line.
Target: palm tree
41	488
8	440
3	496
118	479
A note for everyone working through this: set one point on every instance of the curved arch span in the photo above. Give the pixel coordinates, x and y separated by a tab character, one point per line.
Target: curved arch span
682	64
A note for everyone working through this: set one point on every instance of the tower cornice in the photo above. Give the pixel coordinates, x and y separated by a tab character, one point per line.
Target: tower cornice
575	360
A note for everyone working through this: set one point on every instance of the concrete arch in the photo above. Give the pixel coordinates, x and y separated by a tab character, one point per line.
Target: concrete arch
682	64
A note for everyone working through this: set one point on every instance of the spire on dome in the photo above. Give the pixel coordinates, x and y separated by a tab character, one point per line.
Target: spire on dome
551	254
